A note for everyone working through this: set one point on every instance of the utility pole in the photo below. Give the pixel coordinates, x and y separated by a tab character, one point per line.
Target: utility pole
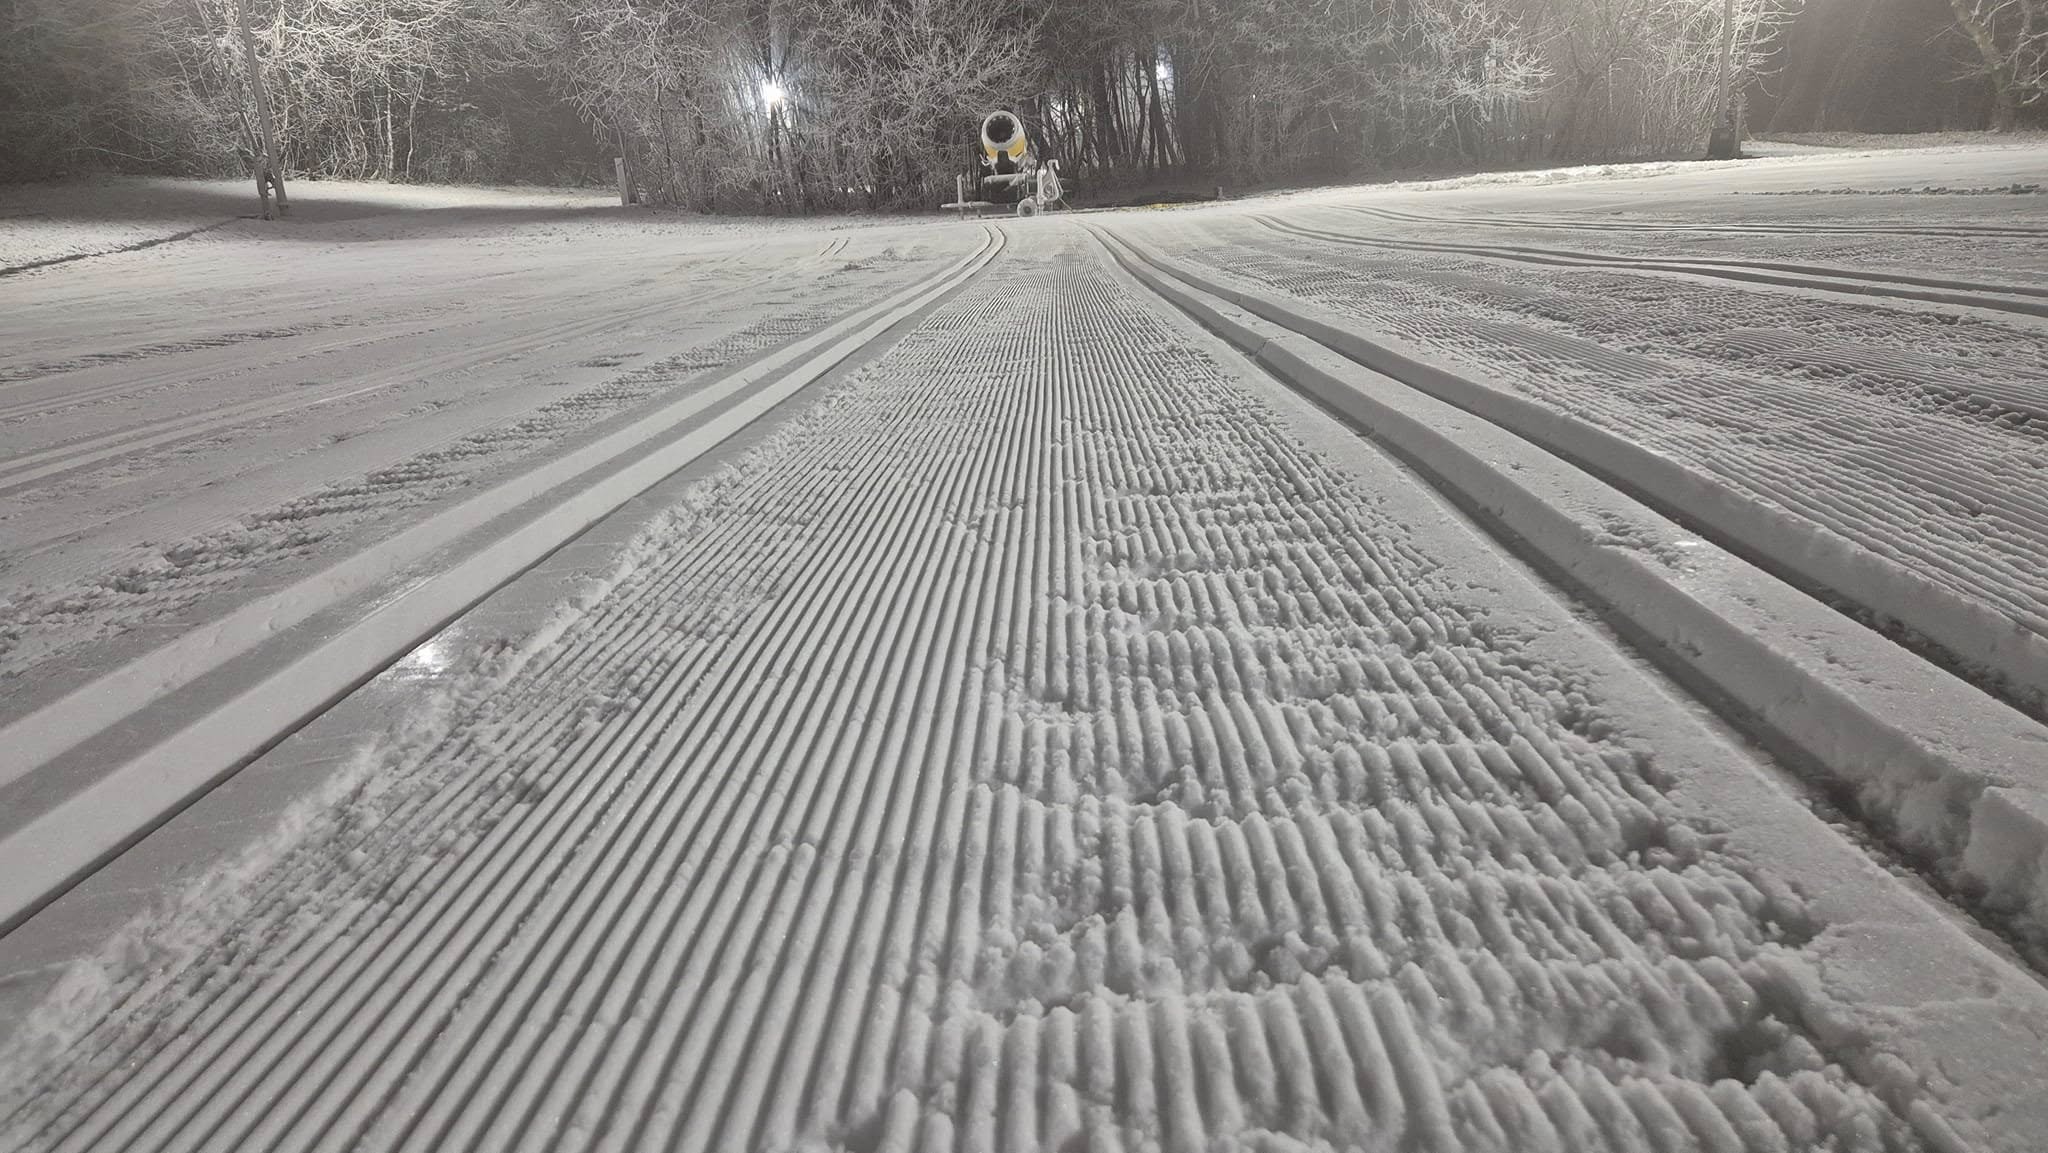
267	174
1722	143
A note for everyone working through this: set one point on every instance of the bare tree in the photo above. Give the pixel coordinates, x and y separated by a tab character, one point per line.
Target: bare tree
792	105
268	178
2011	39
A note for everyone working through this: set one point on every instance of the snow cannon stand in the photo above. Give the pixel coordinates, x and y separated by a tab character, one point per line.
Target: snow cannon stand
1010	166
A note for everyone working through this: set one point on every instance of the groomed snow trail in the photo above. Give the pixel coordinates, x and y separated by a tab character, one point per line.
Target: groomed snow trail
1919	435
156	484
1032	746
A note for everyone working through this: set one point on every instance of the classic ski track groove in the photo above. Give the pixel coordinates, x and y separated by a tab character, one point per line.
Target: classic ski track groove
1037	745
1863	284
1500	221
275	313
27	468
206	550
1822	270
167	376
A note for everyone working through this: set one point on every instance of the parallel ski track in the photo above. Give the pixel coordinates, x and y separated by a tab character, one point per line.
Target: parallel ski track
533	333
1035	748
1822	270
82	600
238	308
1937	471
273	313
1726	227
1859	283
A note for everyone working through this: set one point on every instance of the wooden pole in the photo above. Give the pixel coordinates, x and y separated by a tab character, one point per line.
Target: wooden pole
268	176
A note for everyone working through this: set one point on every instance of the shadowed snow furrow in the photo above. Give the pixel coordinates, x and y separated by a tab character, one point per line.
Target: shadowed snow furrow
1029	747
1884	441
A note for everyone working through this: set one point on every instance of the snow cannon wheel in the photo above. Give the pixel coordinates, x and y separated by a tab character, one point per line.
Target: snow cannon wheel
1027	207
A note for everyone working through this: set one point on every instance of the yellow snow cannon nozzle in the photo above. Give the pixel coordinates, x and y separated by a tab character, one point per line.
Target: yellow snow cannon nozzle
1002	134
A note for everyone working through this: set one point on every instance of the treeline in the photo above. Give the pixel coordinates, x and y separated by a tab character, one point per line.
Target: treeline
379	89
1906	66
800	105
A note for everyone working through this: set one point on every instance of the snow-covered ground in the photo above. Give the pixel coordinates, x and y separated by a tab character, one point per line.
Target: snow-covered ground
1853	397
1047	731
188	425
66	220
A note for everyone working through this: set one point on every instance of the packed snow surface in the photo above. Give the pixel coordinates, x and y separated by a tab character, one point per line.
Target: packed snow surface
1049	736
186	428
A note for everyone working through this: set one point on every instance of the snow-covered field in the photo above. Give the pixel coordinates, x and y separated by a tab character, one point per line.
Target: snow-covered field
1047	730
53	223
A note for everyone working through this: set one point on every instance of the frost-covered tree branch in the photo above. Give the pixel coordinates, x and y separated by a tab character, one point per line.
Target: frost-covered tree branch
793	105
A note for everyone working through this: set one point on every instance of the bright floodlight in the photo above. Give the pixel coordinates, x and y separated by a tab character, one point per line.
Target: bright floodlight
771	92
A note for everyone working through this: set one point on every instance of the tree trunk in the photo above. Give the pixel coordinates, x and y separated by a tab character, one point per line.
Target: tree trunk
2006	104
388	162
1130	130
1567	133
268	175
1722	143
1100	148
2005	107
1830	94
1190	109
1161	154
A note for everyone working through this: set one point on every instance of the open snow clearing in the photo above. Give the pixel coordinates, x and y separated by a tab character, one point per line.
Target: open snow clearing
1130	681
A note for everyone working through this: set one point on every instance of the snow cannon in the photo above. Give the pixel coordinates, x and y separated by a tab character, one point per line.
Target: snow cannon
1006	154
1004	150
1009	165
